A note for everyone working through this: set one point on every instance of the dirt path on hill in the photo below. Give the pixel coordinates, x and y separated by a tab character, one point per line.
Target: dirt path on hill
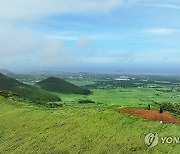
153	115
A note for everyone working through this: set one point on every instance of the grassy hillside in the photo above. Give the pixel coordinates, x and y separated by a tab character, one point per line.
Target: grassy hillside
87	128
26	91
79	129
7	83
4	71
61	86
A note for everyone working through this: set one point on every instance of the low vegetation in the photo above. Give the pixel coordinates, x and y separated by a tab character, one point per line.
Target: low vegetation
174	108
54	104
86	102
7	94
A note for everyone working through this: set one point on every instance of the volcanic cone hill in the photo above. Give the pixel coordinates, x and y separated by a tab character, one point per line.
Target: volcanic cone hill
8	84
26	91
61	86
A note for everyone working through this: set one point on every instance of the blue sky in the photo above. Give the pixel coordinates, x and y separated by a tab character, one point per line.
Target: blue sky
84	34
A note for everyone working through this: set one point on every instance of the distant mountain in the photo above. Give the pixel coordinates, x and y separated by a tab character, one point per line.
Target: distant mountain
59	85
26	91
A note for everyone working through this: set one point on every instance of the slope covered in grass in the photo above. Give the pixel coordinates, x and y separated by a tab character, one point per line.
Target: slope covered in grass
92	129
58	85
26	91
5	71
7	83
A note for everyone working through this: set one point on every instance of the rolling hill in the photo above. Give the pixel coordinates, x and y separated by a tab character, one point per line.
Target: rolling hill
32	93
5	71
8	84
61	86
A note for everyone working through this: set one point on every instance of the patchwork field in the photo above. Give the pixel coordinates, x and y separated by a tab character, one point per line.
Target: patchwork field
95	127
126	97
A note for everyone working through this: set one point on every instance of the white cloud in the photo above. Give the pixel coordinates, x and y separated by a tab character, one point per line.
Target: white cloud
162	5
23	47
159	31
27	48
20	45
74	36
32	9
159	56
83	42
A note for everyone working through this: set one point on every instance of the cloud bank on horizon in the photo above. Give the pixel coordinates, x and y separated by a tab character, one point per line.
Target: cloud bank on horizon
56	33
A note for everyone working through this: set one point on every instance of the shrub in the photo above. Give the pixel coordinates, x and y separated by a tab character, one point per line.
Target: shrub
174	108
86	102
54	104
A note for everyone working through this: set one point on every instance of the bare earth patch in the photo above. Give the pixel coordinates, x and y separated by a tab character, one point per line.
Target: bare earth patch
153	115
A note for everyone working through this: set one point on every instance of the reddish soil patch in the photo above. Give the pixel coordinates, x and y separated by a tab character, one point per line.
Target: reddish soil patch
151	115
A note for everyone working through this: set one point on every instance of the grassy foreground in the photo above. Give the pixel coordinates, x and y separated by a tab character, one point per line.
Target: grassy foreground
77	129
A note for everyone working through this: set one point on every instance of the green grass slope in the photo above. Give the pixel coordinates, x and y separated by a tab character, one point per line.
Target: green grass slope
26	91
78	130
4	71
61	86
8	84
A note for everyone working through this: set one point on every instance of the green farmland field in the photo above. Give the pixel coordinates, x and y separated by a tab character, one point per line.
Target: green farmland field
96	128
126	97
